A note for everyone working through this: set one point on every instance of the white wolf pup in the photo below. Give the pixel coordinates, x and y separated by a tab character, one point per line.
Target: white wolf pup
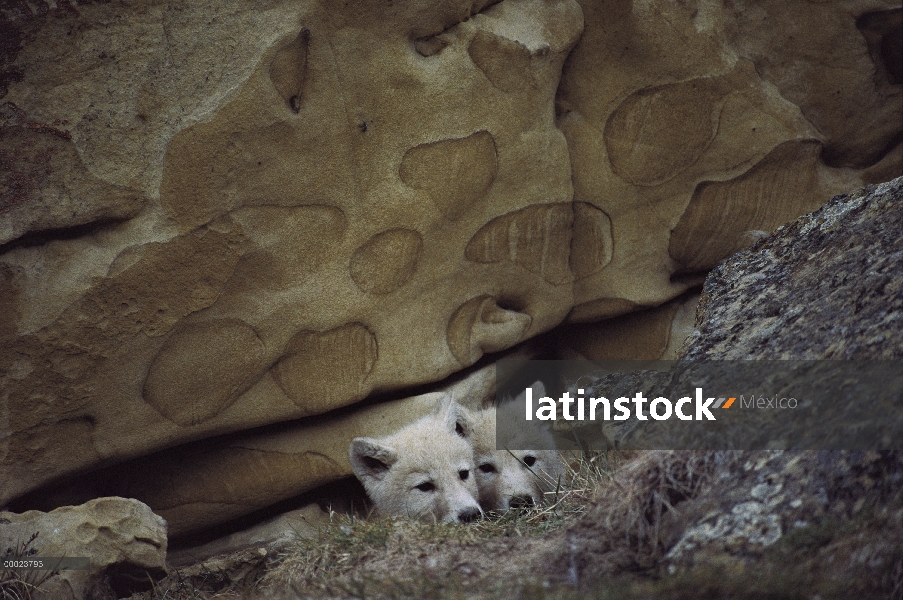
517	478
424	470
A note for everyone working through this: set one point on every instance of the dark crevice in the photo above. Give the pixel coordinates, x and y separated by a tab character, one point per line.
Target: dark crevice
838	158
883	33
45	236
116	479
346	495
689	278
512	303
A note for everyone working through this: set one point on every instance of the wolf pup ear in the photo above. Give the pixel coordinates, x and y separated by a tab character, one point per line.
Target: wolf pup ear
370	459
539	391
455	416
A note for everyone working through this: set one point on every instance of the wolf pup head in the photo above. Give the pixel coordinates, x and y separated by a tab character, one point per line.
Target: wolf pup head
424	470
511	478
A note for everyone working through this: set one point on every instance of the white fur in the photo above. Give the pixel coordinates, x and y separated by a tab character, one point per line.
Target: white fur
508	479
425	470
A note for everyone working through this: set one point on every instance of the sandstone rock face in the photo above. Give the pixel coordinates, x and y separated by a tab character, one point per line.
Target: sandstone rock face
215	481
651	334
223	217
123	539
711	139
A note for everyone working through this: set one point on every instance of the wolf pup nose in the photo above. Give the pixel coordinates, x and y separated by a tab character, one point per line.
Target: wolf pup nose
521	502
423	471
512	478
469	514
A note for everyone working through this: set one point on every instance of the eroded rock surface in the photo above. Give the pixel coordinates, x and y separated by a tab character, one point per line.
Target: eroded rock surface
226	217
201	485
124	540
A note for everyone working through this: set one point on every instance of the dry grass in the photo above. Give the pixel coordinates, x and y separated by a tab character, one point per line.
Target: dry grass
392	557
601	536
16	585
629	509
341	561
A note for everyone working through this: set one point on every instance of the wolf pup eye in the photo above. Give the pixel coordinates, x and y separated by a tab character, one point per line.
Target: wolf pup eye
487	468
463	475
426	486
529	460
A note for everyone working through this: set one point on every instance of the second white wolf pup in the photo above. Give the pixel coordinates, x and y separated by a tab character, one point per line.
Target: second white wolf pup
516	478
424	470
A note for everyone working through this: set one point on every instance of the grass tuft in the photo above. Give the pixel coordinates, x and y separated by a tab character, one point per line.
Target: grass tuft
330	563
15	585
